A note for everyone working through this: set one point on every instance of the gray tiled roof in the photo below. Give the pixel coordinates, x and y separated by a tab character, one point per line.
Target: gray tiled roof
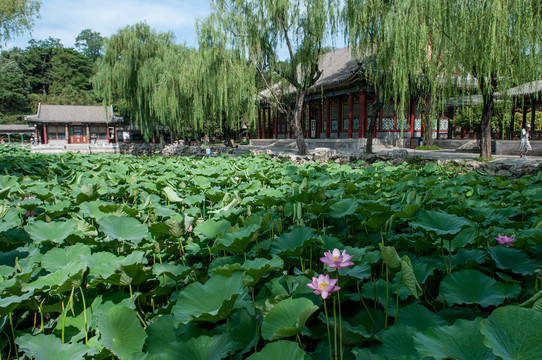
73	113
529	88
16	128
337	66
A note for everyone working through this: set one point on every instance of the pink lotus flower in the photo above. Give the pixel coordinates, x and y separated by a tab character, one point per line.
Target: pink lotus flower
29	197
323	285
189	229
505	240
336	259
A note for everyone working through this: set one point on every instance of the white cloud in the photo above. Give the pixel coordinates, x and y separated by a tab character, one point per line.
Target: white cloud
64	19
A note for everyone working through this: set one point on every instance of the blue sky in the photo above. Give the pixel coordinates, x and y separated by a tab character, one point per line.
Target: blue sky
65	19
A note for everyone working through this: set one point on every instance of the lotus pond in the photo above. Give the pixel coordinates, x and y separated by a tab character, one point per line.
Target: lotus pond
254	258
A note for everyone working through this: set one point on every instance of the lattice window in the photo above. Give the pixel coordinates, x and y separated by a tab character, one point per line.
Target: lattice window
345	116
418	124
356	110
405	124
283	128
324	125
388	110
355	124
334	125
387	124
444	124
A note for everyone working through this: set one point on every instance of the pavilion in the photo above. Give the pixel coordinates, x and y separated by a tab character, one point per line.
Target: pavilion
74	124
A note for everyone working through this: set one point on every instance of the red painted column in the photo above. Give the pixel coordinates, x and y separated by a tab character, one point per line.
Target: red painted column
339	117
320	119
308	131
275	126
362	115
328	118
45	134
259	125
412	117
350	114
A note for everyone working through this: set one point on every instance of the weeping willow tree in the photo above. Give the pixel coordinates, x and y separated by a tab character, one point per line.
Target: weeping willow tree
497	42
130	70
224	83
259	29
160	83
403	45
16	16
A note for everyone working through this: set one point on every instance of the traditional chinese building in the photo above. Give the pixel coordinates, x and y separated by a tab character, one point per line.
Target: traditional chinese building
74	124
340	104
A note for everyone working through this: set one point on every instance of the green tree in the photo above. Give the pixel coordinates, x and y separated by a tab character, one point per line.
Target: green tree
16	16
57	75
13	85
497	42
90	43
129	72
405	47
259	29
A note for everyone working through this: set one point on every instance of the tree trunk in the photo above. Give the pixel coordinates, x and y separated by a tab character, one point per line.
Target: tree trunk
377	106
428	125
297	126
485	126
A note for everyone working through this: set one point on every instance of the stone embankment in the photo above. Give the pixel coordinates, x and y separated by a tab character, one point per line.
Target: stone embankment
511	167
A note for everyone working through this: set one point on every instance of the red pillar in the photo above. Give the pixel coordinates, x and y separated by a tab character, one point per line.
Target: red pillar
350	114
308	130
45	134
320	119
412	117
259	125
339	117
328	118
362	115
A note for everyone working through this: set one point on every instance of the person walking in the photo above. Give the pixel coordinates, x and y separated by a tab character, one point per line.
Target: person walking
525	145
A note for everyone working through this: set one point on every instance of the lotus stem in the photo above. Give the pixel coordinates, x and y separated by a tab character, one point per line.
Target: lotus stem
387	299
299	341
13	333
85	313
443	256
397	302
66	314
365	306
340	320
328	334
335	327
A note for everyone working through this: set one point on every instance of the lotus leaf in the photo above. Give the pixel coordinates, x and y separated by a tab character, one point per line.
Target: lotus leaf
235	242
460	341
293	242
343	207
211	301
49	347
123	228
121	332
172	195
473	287
439	223
55	231
513	259
165	342
513	333
283	350
287	318
211	228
